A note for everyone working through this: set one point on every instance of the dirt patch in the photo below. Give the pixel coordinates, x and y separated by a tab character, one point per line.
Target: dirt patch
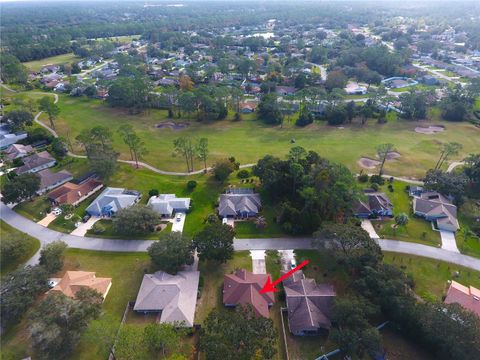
393	155
368	163
172	125
429	130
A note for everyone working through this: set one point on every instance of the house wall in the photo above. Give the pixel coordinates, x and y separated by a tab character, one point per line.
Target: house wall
42	167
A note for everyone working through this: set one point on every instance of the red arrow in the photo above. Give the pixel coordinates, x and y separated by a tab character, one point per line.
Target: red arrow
270	287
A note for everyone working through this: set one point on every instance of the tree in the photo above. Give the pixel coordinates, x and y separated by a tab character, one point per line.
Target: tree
135	145
413	105
13	247
238	335
21	187
18	119
130	343
19	290
59	147
12	70
222	169
185	83
47	104
215	242
135	220
171	252
449	184
472	168
336	80
164	337
57	324
448	149
132	92
183	146
269	110
260	222
383	150
306	117
401	219
51	256
201	149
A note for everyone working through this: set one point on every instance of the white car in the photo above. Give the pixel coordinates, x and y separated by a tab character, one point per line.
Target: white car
178	217
57	211
293	263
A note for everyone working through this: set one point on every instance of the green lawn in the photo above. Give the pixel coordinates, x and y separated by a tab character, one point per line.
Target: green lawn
248	229
32	247
430	275
468	243
249	139
54	60
109	232
126	271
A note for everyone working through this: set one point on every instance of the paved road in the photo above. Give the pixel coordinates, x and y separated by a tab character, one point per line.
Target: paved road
46	235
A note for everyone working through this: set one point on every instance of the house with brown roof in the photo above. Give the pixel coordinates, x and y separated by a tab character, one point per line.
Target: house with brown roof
74	194
36	162
243	288
73	281
50	180
468	297
436	208
308	304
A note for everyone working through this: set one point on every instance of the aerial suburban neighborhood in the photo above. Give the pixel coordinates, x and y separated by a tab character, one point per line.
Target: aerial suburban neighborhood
219	180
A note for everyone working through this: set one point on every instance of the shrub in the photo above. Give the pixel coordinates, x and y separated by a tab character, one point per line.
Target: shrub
192	184
98	228
363	178
377	179
243	174
375	186
153	192
390	187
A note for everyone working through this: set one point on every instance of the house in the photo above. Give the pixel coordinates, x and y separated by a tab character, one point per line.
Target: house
74	194
16	151
111	200
429	80
415	190
175	296
376	205
50	180
308	304
436	208
468	297
354	88
241	203
7	138
73	281
285	90
36	162
167	204
243	288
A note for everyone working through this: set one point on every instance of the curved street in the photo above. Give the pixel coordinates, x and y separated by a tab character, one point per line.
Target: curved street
46	235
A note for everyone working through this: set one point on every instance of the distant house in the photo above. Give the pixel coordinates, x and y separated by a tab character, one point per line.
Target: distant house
73	281
468	297
242	203
111	200
429	80
74	194
16	151
7	138
50	180
354	88
308	304
36	162
285	90
175	296
243	288
376	205
168	204
435	207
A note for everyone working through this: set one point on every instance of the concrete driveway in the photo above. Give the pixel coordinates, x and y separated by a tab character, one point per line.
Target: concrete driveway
368	227
82	228
258	261
286	257
47	220
177	225
448	241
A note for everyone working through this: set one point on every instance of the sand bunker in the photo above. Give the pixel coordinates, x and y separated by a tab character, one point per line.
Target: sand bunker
368	163
171	125
429	130
393	155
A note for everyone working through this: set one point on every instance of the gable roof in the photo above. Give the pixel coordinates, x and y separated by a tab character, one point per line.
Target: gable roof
174	295
309	304
35	160
166	204
468	297
73	281
49	179
235	203
71	193
243	287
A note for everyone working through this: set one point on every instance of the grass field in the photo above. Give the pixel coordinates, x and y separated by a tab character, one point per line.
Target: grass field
126	271
430	275
32	247
249	139
36	65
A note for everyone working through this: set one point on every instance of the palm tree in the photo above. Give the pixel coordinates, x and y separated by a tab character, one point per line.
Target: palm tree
260	222
400	220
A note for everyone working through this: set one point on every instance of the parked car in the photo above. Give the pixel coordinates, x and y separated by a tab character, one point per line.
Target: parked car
178	217
293	263
86	217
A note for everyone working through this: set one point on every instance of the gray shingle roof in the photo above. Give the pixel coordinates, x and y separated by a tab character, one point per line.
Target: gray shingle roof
234	204
117	198
166	204
30	163
174	295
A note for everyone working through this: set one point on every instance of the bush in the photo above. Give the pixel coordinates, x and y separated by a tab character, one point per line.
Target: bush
192	184
153	192
98	228
363	178
243	174
375	186
377	179
390	187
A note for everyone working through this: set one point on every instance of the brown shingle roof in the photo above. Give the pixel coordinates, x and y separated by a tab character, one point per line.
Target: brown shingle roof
243	287
73	281
35	160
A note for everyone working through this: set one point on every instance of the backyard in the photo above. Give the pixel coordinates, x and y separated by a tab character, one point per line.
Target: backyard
54	60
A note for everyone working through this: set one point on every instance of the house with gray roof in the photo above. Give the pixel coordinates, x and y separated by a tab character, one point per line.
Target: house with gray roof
7	138
436	208
376	205
50	180
168	204
111	200
308	304
243	203
36	162
173	296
